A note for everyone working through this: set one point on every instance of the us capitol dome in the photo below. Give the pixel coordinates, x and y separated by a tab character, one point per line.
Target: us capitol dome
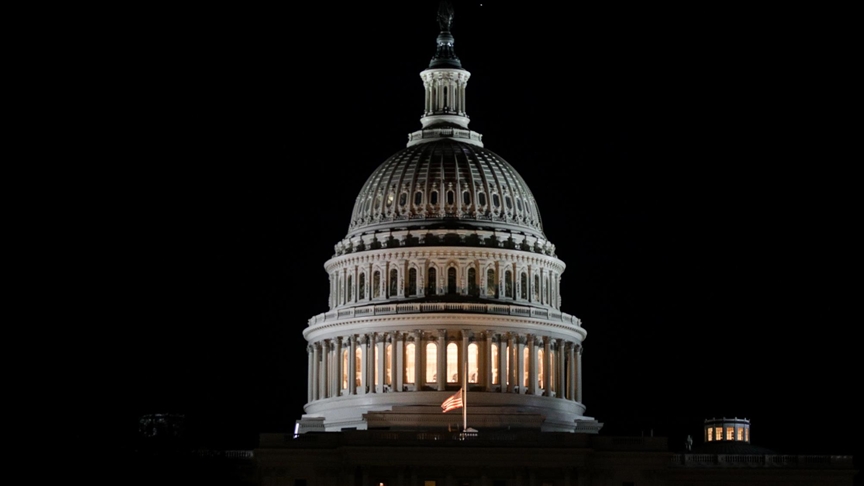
444	281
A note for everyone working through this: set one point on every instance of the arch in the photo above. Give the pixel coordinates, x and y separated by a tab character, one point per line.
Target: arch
358	366
411	284
540	376
392	289
495	374
431	362
473	360
349	290
451	280
508	284
361	286
473	288
409	362
431	281
376	284
452	363
491	284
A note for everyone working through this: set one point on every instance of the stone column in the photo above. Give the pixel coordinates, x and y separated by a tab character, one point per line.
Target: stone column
547	367
502	362
418	360
532	365
352	364
398	370
309	369
579	373
463	359
316	371
487	360
571	371
338	367
560	386
380	354
442	359
325	369
512	348
364	364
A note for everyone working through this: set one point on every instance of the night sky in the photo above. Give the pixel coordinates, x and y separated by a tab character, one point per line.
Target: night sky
689	165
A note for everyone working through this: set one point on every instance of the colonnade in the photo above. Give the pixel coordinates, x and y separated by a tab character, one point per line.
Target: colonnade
547	366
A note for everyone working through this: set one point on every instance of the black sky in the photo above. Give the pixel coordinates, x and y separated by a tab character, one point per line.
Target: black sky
689	165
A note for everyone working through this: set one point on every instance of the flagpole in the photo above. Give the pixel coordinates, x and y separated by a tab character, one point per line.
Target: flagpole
465	397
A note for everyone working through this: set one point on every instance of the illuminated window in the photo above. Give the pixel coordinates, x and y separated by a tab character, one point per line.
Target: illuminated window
388	360
390	198
540	377
361	283
472	363
432	279
409	363
429	483
730	433
718	432
490	282
452	363
412	282
431	363
523	283
508	284
358	361
710	435
394	282
746	435
451	280
495	364
376	284
344	368
740	434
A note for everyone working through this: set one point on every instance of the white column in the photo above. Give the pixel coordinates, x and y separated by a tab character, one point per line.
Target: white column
547	368
380	343
487	359
579	373
325	369
571	372
309	369
503	371
364	364
512	348
337	367
316	371
352	364
398	370
532	365
463	358
442	359
559	375
418	360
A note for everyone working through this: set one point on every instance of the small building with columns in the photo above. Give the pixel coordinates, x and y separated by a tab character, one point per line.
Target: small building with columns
445	280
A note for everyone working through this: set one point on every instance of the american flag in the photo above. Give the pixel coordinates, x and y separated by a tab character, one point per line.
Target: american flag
453	402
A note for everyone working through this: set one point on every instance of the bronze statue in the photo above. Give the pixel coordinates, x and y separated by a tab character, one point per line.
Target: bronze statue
445	15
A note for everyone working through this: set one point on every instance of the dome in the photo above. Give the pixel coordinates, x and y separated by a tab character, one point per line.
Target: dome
445	184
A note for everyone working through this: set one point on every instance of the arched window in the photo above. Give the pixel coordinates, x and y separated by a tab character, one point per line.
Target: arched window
432	283
394	282
495	380
452	363
536	288
350	296
412	282
526	359
508	284
344	369
540	376
361	286
490	282
473	371
472	282
388	363
358	368
431	363
523	283
376	284
409	363
451	280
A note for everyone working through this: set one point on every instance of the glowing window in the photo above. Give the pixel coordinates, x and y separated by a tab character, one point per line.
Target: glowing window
409	363
452	363
388	360
495	380
390	198
718	432
540	376
730	433
431	363
472	363
746	435
710	434
740	434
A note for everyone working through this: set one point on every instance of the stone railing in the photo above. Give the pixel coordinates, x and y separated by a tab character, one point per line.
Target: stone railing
465	307
759	460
